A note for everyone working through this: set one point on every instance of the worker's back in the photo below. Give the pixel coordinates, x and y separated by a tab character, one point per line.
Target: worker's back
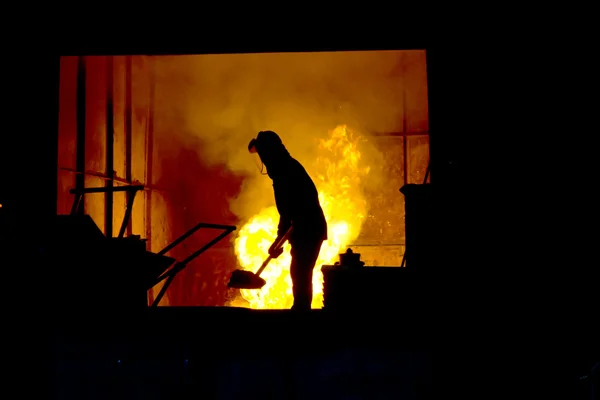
297	198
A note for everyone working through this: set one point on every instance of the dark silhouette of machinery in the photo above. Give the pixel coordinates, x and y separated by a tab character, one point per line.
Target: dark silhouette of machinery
110	275
348	285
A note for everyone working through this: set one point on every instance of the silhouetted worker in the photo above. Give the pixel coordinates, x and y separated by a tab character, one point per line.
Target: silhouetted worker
298	205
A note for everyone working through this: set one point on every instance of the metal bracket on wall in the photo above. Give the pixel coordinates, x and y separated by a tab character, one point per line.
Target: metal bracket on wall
179	266
131	191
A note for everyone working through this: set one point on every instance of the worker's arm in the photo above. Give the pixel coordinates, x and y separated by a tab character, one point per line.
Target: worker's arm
283	199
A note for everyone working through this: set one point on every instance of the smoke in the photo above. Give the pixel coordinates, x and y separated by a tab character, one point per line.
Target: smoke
220	102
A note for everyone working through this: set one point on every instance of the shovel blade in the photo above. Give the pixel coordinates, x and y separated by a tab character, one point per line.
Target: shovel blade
241	279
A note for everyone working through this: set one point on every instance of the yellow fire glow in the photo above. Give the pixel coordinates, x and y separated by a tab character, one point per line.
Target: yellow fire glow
337	173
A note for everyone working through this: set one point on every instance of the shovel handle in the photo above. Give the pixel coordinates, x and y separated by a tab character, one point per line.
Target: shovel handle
279	244
263	266
284	238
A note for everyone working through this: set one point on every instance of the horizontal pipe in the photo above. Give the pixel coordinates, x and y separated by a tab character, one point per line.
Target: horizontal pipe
375	245
399	134
106	189
179	266
95	174
228	228
206	247
116	179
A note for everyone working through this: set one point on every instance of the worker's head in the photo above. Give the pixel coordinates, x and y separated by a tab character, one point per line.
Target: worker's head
270	149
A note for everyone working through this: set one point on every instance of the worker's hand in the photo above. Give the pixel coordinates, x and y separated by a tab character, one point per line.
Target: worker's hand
274	251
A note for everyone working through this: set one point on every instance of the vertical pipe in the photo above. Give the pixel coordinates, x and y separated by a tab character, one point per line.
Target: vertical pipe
110	148
434	152
150	152
404	147
404	138
404	121
149	161
128	128
53	194
81	115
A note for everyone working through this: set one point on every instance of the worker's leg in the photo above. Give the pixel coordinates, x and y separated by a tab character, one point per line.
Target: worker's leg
304	256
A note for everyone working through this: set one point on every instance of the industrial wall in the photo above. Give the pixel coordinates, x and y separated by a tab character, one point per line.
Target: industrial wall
113	97
132	120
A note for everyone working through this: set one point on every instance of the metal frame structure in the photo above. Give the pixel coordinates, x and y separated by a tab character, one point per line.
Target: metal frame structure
109	175
180	265
404	135
130	190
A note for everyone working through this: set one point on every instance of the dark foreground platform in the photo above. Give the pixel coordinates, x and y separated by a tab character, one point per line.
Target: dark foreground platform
236	353
242	330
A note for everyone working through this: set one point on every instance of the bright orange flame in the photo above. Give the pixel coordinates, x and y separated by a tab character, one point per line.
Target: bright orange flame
337	173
